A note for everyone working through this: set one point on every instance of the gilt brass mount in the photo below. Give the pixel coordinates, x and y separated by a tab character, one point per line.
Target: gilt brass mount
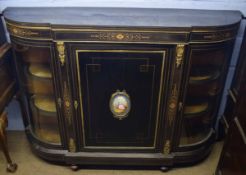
167	146
61	51
179	54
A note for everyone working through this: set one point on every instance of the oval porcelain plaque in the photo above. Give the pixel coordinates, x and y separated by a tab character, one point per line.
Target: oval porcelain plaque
120	104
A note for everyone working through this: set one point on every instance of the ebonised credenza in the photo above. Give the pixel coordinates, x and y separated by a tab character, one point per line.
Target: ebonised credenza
121	86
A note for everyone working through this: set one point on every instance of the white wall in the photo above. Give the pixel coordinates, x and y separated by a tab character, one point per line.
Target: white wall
188	4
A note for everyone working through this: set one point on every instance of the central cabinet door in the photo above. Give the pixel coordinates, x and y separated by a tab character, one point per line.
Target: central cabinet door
120	92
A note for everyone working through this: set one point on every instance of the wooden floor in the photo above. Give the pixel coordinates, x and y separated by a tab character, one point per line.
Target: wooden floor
29	164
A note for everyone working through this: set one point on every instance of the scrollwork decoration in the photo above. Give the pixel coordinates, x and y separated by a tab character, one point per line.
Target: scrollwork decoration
179	54
167	147
61	52
21	31
115	36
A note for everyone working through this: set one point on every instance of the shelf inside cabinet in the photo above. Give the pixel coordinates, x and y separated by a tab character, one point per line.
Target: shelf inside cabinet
45	103
203	75
195	108
35	86
37	80
210	89
39	70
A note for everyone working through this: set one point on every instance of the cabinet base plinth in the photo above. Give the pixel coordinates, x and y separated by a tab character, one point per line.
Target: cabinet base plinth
113	158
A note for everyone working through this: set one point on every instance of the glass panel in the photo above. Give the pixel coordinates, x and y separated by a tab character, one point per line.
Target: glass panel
202	95
36	78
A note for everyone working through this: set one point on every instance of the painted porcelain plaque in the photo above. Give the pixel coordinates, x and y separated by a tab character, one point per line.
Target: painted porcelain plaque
120	104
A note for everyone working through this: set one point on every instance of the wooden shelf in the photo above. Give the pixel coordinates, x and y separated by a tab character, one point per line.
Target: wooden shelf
44	87
45	103
37	80
201	75
196	108
39	70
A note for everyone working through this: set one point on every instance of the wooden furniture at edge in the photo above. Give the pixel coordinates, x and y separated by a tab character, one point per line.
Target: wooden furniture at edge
7	91
233	157
121	86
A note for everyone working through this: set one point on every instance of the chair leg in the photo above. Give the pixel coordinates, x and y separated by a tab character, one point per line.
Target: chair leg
11	167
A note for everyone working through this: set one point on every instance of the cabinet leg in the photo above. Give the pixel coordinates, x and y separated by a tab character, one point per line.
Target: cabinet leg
164	168
11	167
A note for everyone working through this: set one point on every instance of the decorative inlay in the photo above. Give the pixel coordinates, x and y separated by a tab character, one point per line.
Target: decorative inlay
59	101
215	35
67	104
115	36
120	104
179	54
172	105
218	35
61	51
120	36
76	104
144	68
167	147
21	31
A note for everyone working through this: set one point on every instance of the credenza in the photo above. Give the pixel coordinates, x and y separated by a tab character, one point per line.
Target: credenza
121	86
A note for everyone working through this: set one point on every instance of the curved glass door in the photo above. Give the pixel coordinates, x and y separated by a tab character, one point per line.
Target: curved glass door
36	77
205	85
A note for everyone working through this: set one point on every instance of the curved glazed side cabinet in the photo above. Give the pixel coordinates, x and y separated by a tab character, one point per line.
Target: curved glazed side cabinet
121	86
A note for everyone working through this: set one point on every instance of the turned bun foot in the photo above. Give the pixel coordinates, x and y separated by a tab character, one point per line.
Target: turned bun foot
164	169
74	167
12	167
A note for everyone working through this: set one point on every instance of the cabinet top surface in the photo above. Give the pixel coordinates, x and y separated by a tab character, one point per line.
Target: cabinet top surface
127	17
